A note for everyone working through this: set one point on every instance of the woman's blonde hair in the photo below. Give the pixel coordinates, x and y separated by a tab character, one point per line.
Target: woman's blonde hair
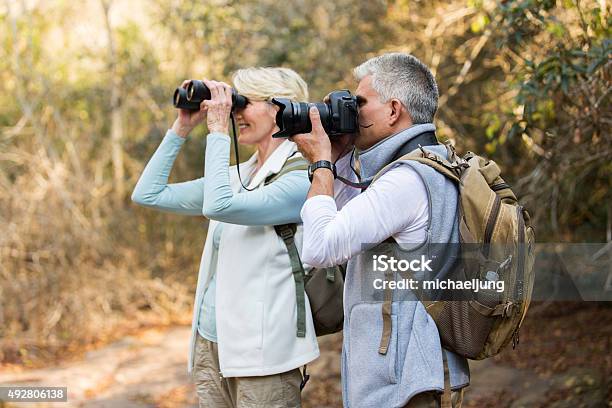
264	83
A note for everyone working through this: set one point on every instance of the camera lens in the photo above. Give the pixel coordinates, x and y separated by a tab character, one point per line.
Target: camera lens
292	117
338	116
325	115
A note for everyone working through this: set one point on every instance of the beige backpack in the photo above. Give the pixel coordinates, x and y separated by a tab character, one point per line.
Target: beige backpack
492	220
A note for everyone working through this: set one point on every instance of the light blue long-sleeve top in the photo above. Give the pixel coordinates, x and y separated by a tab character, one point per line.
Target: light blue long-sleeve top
277	203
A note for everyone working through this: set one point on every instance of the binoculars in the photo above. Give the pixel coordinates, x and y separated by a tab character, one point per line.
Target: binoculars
338	113
196	92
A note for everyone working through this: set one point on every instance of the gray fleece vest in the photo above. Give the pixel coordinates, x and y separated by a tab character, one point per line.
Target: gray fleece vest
414	360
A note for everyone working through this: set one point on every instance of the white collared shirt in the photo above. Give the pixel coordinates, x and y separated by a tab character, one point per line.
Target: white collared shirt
335	229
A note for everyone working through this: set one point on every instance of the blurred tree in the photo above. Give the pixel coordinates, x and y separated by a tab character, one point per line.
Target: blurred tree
116	107
563	114
518	80
526	82
321	41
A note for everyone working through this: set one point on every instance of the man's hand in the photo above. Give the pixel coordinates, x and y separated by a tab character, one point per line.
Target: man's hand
342	144
315	145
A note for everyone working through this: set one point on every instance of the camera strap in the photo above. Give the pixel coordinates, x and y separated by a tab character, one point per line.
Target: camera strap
235	137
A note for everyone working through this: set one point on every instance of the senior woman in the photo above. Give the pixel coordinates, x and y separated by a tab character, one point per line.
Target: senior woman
244	348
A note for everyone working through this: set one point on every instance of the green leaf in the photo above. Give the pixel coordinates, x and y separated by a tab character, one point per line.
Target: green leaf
594	65
480	23
555	29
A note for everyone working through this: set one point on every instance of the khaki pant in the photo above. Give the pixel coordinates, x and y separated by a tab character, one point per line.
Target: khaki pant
270	391
432	400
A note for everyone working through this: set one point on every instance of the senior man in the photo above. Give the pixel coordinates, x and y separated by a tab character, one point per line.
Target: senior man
391	357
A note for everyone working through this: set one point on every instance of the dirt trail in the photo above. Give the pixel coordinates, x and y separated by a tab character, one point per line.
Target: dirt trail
149	370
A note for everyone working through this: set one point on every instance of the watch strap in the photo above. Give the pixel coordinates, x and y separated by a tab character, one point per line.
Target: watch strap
321	164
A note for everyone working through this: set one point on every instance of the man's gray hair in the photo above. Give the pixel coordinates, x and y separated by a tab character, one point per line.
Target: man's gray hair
404	77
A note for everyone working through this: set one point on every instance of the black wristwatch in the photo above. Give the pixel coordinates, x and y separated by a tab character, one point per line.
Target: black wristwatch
321	164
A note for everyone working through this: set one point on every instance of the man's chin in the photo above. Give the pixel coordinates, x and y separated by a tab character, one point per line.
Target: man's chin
362	142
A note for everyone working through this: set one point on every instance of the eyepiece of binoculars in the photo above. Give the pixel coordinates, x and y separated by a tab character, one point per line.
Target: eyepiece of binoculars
191	97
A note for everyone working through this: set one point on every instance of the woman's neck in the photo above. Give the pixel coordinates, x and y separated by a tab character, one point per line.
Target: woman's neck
265	149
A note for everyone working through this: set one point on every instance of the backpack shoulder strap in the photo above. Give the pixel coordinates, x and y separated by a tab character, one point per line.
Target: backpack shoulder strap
424	139
287	234
451	169
292	164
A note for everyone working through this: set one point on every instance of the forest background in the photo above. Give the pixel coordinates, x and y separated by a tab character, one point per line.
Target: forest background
85	98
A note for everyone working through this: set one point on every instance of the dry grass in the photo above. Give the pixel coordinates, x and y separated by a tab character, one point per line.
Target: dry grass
74	266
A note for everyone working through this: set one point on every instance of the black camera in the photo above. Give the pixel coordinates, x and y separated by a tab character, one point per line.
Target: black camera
338	115
197	92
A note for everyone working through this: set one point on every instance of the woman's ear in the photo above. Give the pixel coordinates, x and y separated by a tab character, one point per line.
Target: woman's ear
272	111
395	111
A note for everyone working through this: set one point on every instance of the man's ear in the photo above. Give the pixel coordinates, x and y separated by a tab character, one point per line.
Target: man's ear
396	111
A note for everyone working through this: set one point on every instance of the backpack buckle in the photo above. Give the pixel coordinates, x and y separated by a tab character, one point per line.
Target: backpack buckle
429	155
505	264
284	231
305	378
509	309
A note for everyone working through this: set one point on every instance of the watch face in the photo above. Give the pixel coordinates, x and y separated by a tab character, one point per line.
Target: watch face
310	171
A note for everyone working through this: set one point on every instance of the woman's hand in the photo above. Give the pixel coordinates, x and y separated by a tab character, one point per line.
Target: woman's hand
219	106
186	119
